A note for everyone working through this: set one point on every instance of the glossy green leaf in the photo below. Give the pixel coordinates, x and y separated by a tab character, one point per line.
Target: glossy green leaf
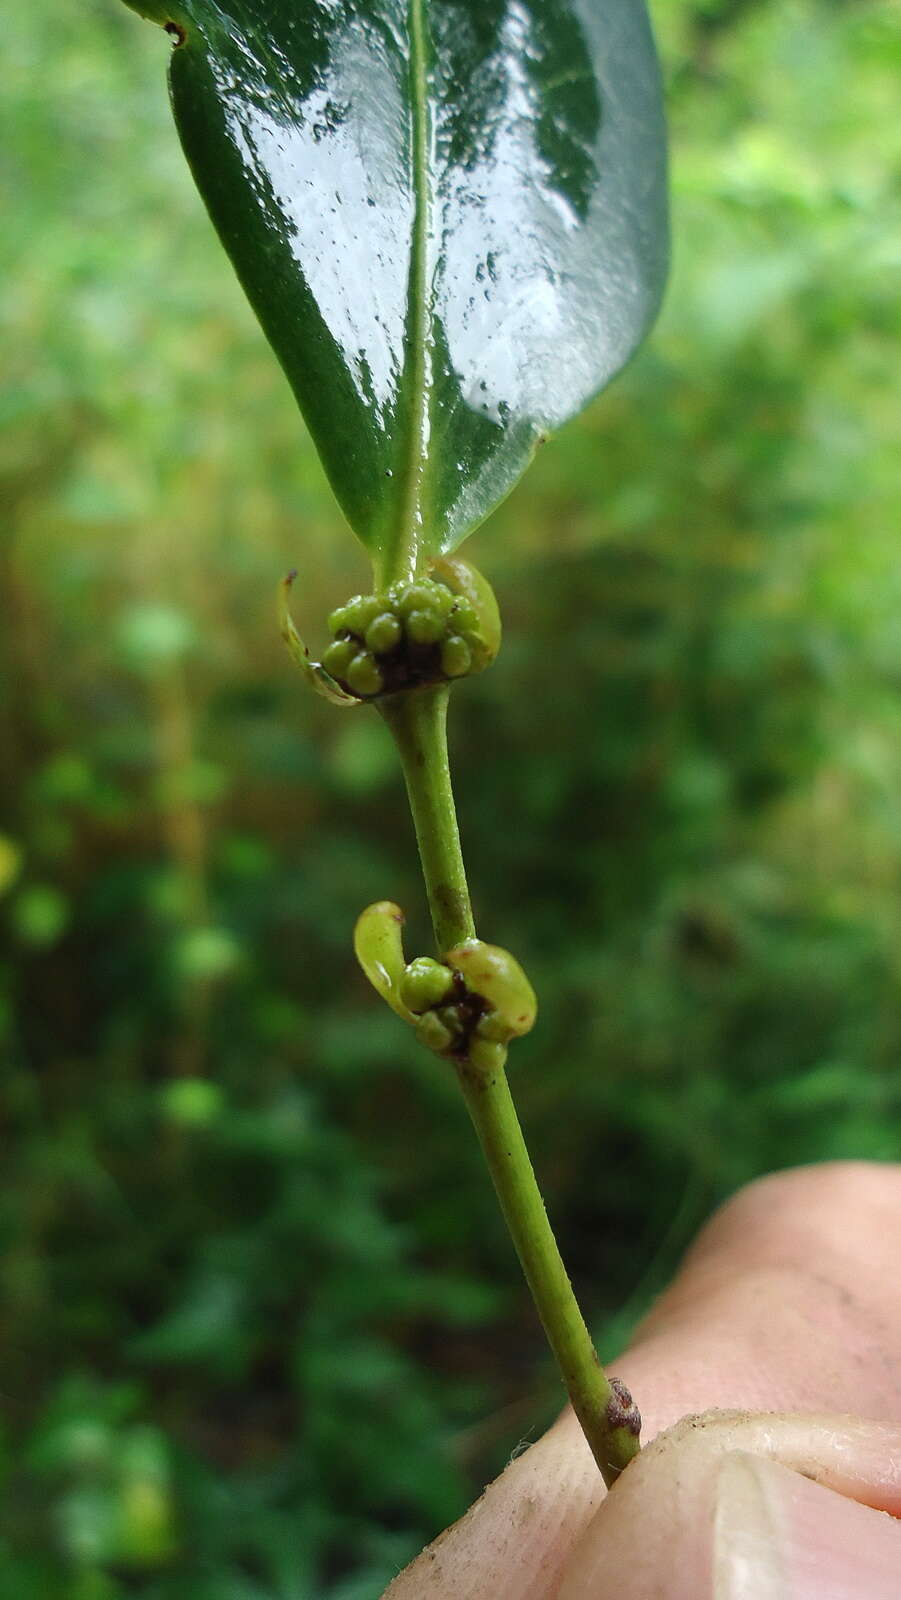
450	217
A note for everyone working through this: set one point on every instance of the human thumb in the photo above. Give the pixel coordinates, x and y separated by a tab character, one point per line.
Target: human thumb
789	1302
733	1506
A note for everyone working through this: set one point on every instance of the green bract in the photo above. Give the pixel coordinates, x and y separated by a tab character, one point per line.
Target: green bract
378	945
450	218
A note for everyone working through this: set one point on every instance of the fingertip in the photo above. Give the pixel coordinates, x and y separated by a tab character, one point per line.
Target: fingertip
778	1533
514	1541
743	1507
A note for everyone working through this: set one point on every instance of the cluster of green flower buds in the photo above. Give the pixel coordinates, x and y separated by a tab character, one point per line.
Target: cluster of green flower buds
467	1007
431	629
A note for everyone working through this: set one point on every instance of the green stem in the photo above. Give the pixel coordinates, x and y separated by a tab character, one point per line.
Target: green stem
418	722
500	1135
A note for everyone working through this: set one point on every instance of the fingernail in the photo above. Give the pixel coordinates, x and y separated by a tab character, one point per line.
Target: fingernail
780	1536
748	1536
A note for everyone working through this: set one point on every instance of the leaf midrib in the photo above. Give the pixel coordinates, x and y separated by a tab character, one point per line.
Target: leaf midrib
406	538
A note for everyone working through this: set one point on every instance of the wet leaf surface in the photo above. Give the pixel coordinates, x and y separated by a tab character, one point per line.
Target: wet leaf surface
450	219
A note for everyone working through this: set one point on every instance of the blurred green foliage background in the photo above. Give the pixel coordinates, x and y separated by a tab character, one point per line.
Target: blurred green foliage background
262	1333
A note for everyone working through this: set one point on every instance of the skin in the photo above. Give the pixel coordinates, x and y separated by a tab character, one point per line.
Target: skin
769	1378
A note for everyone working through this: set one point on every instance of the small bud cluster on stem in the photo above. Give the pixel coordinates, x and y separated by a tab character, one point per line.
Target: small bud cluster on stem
467	1007
415	633
430	630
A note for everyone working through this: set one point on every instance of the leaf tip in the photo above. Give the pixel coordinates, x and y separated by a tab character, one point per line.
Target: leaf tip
160	12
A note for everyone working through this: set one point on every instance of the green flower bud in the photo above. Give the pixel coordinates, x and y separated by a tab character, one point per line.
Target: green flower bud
475	615
464	619
426	983
338	658
384	633
360	611
407	597
363	676
497	978
492	1026
442	599
337	621
456	657
425	626
451	1019
434	1034
486	1055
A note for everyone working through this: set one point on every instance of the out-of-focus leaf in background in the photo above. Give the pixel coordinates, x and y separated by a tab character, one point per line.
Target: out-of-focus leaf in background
249	1259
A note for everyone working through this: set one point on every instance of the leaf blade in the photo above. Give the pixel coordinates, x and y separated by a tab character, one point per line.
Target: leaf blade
450	219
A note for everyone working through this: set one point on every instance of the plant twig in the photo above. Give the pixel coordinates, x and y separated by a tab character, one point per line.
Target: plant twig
418	722
609	1420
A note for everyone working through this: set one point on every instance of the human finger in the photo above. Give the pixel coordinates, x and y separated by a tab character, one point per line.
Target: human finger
742	1506
787	1301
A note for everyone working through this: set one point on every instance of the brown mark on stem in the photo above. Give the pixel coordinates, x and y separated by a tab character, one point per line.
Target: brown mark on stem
622	1412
